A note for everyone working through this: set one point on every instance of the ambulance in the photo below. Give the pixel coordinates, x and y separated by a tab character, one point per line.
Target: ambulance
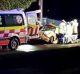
17	27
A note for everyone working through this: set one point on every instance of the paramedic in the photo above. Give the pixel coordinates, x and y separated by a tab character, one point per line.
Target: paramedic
62	31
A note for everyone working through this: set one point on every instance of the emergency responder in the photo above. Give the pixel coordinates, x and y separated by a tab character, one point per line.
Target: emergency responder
68	34
62	31
75	28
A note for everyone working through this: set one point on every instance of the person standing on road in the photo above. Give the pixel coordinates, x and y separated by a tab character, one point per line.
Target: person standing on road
75	29
62	27
62	31
68	33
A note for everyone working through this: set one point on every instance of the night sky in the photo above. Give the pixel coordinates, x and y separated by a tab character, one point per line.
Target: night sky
59	9
62	9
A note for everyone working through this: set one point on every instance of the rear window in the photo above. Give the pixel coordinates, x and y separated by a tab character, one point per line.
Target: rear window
11	20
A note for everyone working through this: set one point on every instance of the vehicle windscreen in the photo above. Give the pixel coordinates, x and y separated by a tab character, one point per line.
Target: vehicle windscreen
45	28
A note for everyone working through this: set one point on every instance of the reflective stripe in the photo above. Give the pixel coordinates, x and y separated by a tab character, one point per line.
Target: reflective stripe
26	31
33	31
17	31
29	31
4	42
1	28
1	32
12	31
14	28
6	35
22	30
9	31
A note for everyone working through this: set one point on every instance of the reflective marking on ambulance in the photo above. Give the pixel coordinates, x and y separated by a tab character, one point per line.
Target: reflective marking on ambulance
33	31
9	31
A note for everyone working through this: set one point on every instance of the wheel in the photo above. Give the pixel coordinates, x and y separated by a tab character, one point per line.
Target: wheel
51	40
13	44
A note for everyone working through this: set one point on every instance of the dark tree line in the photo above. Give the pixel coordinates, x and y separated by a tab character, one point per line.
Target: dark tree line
12	4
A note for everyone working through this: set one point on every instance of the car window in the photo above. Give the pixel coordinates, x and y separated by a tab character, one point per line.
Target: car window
47	28
13	20
32	18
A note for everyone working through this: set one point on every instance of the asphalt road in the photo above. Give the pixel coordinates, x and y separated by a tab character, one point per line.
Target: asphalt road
41	58
37	45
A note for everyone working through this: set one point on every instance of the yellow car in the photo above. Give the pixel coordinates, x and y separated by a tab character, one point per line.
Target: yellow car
48	34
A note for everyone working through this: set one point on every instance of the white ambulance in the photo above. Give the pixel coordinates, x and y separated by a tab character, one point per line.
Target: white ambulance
16	27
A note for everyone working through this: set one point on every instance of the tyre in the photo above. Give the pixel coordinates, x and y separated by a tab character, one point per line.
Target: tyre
51	40
13	44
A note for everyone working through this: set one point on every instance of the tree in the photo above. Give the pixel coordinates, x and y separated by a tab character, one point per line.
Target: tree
12	4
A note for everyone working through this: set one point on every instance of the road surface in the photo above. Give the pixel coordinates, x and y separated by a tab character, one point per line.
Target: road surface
41	58
36	45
